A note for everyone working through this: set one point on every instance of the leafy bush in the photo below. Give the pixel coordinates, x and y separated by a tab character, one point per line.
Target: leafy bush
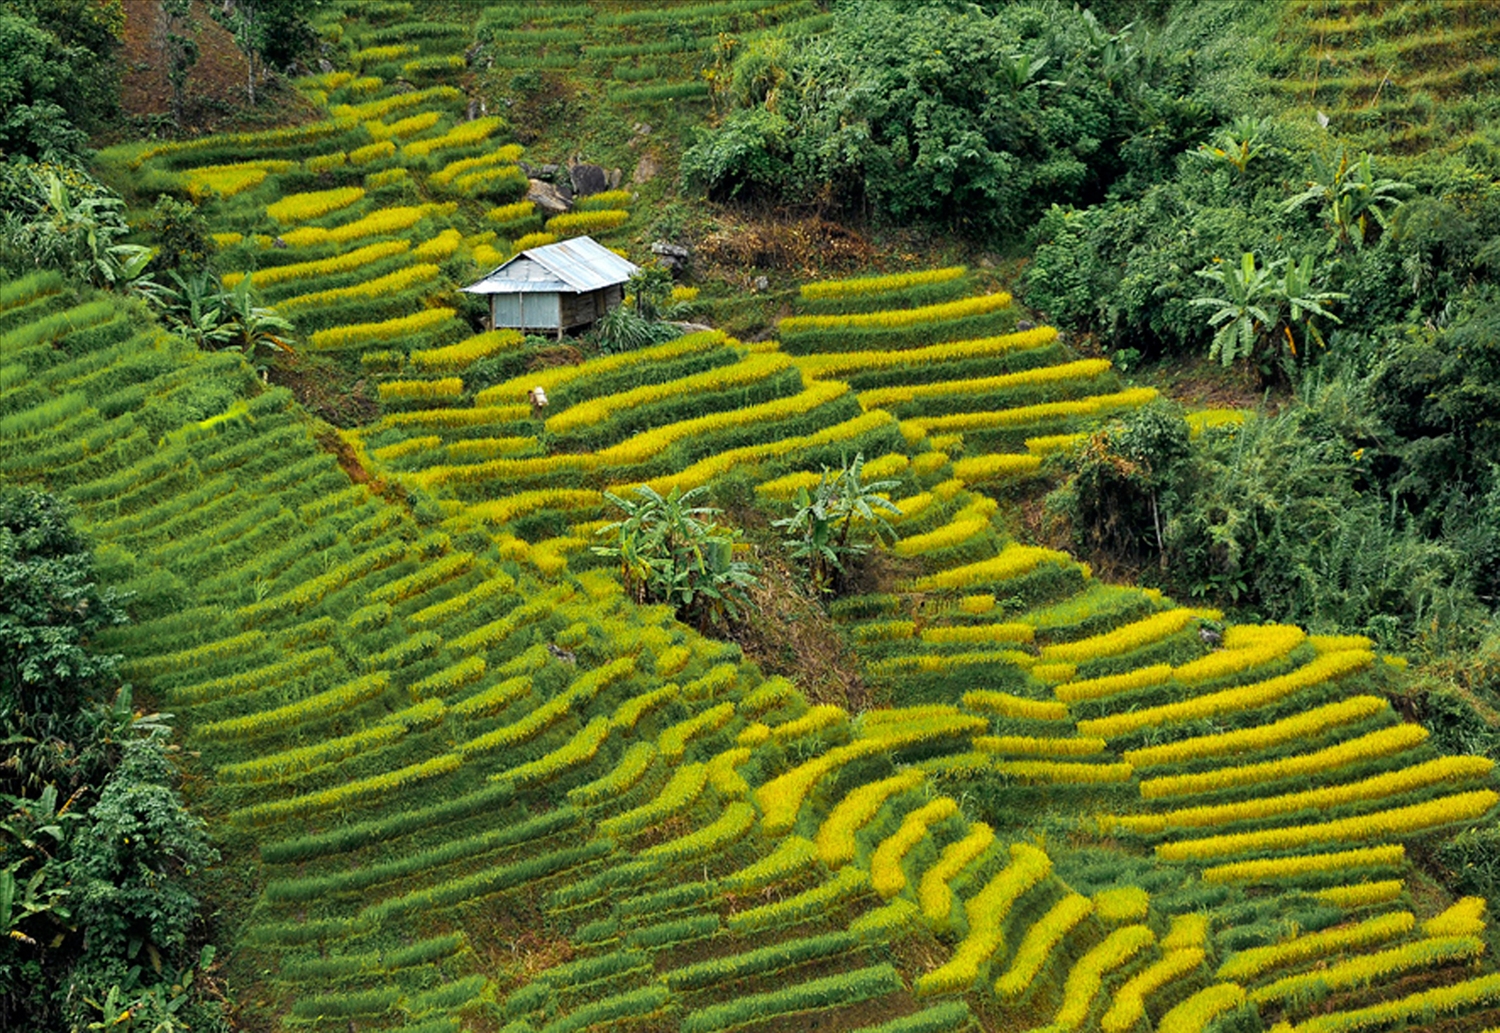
931	112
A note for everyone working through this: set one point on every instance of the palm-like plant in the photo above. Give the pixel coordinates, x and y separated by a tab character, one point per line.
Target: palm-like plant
672	551
255	327
1351	194
1237	144
822	524
1249	307
1246	305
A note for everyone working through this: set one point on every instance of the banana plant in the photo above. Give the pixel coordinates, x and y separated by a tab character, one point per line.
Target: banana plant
822	523
1246	305
1352	196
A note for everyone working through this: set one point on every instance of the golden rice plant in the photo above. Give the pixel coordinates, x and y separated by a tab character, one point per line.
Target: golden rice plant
346	262
705	470
1465	917
421	390
1040	941
1398	821
448	680
792	855
320	705
880	284
1188	931
1280	868
1126	638
608	199
1362	894
437	613
887	877
1063	772
494	699
751	370
781	798
410	126
1205	419
627	772
511	212
379	55
482	179
1422	1007
1244	646
348	793
817	719
487	257
430	575
845	883
978	633
575	223
1087	976
313	204
1247	964
786	487
507	154
385	177
226	180
1381	743
649	443
554	378
985	469
1113	684
673	741
1194	1014
1025	415
934	892
986	913
381	222
459	356
684	295
895	318
359	334
1052	444
530	241
1259	737
580	749
1245	697
1013	561
841	364
504	510
372	152
1121	904
1081	369
1376	787
1006	705
724	776
1129	1005
945	537
286	764
439	247
685	786
630	711
480	415
1364	970
1034	746
1339	643
400	280
737	819
325	162
464	134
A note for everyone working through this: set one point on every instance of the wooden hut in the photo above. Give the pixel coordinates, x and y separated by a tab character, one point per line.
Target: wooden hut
556	287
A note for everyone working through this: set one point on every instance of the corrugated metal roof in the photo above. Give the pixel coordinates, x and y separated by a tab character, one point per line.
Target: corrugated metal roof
578	265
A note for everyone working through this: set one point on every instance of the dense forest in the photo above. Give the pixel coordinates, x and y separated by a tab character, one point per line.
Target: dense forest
1023	555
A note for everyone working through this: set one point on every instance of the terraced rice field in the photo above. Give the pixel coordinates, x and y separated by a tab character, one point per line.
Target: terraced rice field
473	786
